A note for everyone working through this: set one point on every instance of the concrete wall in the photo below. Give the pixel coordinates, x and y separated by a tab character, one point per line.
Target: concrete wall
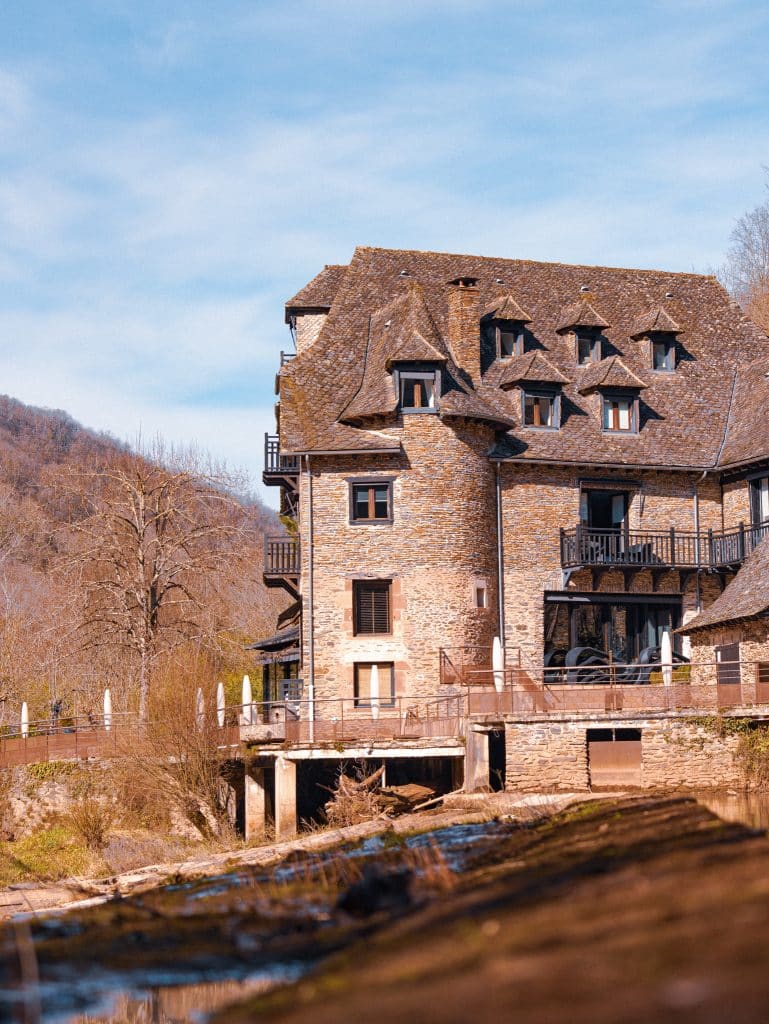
676	753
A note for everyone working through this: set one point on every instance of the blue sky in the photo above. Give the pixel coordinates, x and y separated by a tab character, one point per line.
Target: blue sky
171	172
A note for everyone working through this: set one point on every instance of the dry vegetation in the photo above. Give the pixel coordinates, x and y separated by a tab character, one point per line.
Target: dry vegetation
111	560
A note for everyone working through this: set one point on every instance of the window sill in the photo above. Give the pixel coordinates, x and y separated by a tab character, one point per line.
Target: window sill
531	426
420	412
370	522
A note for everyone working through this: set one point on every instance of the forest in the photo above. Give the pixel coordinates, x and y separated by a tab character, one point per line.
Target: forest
117	564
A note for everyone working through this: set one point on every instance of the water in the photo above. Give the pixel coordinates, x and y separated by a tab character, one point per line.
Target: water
203	979
743	807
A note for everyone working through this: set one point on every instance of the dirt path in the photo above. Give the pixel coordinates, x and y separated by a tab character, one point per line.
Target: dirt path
46	897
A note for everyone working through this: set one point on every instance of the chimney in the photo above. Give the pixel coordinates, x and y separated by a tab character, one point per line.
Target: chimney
465	325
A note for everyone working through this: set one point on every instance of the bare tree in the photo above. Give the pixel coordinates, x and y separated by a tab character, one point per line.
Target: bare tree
152	541
746	273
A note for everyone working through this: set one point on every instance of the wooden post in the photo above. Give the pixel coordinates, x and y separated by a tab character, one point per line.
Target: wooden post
672	545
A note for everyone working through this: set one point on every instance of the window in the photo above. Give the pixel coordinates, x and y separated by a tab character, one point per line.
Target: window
603	509
371	501
541	409
663	352
588	344
481	594
727	664
620	413
510	339
362	683
371	607
418	391
759	500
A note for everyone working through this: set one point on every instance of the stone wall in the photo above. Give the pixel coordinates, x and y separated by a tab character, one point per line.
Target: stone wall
753	638
440	543
308	327
538	501
681	752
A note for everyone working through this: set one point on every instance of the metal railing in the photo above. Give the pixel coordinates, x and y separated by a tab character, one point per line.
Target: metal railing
286	357
678	549
346	720
281	556
471	665
275	463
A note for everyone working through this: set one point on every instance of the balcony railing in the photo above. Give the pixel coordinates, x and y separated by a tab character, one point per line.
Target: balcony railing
276	464
281	556
675	549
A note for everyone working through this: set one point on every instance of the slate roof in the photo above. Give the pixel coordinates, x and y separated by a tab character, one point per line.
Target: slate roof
747	437
580	314
504	307
684	414
532	367
656	320
608	374
318	293
746	597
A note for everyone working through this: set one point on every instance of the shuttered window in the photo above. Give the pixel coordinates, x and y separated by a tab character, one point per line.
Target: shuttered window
371	606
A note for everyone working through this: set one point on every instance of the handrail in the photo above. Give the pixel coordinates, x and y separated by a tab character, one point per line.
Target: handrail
281	556
274	462
686	549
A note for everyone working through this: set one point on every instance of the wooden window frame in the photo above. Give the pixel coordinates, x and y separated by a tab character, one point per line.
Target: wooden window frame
515	327
669	341
370	482
402	375
384	702
754	484
593	335
537	393
612	398
358	587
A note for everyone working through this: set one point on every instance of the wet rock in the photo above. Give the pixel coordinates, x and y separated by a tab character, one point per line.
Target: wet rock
377	891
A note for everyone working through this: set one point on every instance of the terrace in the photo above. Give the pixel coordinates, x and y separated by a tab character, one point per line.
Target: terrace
659	549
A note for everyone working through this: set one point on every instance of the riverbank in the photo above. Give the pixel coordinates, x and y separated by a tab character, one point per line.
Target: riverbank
43	897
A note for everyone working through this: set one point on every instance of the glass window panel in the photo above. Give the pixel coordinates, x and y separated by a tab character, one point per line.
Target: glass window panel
764	499
509	343
362	684
381	510
624	415
361	502
607	414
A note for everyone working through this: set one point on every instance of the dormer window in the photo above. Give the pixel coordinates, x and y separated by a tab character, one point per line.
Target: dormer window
620	413
541	409
587	341
418	390
663	348
510	339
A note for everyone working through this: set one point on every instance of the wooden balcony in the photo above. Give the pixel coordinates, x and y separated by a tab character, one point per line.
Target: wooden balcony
278	469
659	549
282	563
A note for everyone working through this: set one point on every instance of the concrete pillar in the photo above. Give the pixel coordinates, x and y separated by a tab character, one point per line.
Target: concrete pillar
476	761
255	816
285	798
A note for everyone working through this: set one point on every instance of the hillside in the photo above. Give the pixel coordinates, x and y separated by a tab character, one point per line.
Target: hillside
48	465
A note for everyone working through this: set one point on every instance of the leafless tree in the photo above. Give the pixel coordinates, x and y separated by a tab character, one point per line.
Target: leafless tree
746	273
154	537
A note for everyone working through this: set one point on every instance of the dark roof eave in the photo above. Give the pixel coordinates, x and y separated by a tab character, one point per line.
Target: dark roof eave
345	451
292	311
658	467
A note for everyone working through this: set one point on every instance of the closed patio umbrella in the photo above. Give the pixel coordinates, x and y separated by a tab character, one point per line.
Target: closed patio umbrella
498	664
24	720
374	692
220	704
666	657
107	709
247	700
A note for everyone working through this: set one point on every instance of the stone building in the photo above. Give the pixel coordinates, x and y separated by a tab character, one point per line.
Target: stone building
565	457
